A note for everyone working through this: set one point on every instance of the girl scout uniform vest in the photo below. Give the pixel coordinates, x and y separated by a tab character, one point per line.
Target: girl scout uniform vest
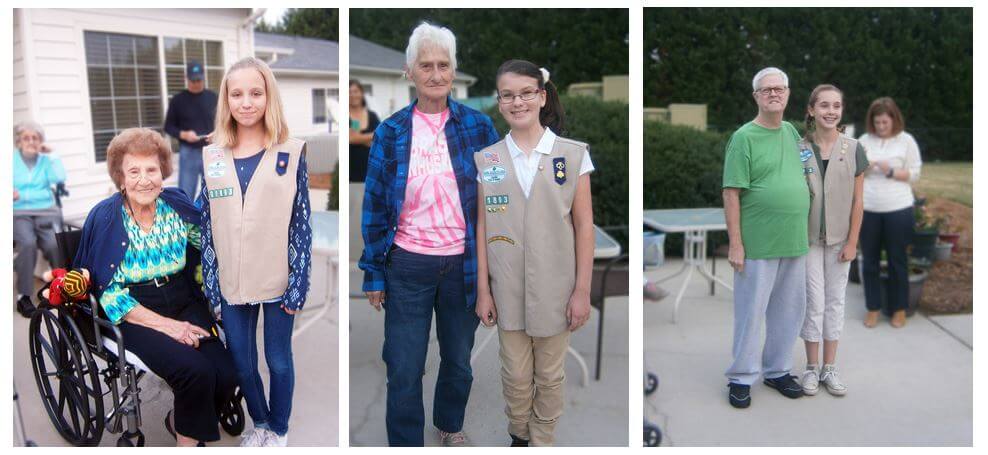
250	231
838	184
531	250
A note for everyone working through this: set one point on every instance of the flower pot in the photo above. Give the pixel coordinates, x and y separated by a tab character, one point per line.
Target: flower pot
942	251
951	238
924	244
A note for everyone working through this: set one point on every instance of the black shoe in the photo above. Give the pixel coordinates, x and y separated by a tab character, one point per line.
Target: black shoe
739	395
25	307
786	385
518	442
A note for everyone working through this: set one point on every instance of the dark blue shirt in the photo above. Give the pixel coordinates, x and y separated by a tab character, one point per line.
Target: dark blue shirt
191	111
245	169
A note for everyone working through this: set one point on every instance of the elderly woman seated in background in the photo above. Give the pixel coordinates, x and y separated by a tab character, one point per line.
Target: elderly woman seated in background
35	171
141	248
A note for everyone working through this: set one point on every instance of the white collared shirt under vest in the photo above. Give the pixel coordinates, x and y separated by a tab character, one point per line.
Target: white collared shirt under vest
531	249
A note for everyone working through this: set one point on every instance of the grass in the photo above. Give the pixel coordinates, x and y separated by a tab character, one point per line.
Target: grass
948	180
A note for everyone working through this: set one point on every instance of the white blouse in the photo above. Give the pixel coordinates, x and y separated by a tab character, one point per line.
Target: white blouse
883	194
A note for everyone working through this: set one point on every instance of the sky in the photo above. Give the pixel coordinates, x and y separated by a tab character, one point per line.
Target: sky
273	15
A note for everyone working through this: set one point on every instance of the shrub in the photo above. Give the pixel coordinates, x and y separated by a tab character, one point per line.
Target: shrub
603	125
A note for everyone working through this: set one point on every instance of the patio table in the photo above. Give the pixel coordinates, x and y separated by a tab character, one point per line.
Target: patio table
325	250
694	224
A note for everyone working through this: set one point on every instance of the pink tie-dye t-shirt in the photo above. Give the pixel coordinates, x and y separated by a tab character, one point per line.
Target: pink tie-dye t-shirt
431	219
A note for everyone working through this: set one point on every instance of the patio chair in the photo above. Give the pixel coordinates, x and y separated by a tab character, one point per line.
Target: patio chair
610	279
65	341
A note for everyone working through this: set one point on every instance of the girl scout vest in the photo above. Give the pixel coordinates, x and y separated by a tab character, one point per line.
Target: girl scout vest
531	250
838	184
250	231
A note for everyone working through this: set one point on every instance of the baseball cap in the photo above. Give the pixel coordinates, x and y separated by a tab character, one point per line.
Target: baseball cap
194	71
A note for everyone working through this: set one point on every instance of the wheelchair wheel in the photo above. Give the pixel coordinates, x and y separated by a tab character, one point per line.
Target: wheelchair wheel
652	435
232	415
651	383
67	377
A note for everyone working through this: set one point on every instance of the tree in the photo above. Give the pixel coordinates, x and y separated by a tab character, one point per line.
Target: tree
308	22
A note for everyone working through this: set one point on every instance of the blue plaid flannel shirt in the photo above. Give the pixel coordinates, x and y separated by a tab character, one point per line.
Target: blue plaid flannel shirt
467	132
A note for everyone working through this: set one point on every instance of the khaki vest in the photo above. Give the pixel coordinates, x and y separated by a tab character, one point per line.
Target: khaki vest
839	187
250	231
531	248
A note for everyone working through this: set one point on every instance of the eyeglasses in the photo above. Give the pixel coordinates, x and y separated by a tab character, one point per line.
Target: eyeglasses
766	91
508	98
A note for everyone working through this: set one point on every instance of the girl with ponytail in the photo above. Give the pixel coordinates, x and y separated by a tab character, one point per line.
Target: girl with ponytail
535	248
834	166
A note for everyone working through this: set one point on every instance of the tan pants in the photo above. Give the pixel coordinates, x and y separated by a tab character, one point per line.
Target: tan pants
533	377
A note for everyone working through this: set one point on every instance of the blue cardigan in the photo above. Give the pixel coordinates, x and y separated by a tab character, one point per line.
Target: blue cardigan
104	237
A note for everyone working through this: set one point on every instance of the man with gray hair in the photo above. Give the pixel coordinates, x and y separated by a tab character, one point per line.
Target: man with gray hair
766	204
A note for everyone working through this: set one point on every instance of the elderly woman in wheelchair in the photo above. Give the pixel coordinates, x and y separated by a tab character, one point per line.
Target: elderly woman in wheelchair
141	248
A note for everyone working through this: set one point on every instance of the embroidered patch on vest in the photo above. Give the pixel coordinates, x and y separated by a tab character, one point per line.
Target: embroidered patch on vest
496	203
216	169
215	154
494	174
500	238
221	192
281	166
804	155
559	170
492	157
807	170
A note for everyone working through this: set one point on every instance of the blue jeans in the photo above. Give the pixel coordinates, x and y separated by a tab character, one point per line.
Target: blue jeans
189	168
240	325
417	285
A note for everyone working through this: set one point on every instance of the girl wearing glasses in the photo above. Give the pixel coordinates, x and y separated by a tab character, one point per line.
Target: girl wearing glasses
834	166
535	253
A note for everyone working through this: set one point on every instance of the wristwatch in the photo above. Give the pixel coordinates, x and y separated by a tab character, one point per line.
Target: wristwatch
890	173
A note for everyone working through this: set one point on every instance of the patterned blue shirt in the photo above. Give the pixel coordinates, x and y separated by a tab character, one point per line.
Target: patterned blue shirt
299	246
467	132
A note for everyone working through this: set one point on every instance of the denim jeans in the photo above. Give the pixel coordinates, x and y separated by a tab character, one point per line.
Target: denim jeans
240	325
417	285
189	168
892	232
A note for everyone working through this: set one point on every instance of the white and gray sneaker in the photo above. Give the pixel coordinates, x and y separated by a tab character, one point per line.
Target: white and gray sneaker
253	438
832	381
810	380
458	439
273	440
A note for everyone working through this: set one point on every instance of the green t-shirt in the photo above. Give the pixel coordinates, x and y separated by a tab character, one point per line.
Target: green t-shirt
775	201
861	165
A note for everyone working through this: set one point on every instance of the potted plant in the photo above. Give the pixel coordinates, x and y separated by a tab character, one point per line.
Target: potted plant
918	273
925	232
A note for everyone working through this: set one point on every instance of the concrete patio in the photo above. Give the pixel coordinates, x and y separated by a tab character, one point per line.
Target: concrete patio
595	415
907	387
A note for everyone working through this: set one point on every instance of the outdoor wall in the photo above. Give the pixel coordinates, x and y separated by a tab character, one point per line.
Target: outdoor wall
296	93
50	76
391	91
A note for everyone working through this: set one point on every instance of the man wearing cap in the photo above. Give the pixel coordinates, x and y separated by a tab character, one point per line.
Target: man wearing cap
190	118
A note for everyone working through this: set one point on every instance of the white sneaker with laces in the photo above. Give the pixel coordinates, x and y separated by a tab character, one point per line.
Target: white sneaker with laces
253	438
810	381
458	439
832	381
273	440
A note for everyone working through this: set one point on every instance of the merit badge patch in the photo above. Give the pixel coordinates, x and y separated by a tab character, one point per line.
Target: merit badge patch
494	174
496	203
559	170
500	238
221	192
281	166
804	155
216	169
807	170
492	157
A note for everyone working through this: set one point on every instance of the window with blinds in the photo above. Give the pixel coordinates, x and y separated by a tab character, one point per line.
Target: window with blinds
124	85
178	53
318	105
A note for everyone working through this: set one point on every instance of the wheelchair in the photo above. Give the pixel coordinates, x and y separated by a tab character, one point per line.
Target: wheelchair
75	351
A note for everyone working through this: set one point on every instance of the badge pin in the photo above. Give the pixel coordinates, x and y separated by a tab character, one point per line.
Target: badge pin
560	165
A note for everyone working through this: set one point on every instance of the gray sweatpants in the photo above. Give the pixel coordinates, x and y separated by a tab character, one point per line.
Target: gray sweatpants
773	292
30	233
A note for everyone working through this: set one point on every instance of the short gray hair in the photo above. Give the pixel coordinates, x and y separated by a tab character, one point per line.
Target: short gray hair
766	72
28	125
427	34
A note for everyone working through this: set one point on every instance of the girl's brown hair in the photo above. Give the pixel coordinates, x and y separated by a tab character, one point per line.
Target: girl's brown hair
887	106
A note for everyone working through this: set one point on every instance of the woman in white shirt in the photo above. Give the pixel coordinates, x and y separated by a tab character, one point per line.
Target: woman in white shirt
888	204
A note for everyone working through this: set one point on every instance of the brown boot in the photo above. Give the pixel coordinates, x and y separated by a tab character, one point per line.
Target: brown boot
899	319
871	319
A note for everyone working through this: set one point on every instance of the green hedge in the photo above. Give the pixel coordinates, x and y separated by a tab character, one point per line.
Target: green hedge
603	125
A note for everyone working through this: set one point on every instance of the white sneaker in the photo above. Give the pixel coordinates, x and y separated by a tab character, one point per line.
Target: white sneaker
810	381
274	440
832	381
253	438
458	439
